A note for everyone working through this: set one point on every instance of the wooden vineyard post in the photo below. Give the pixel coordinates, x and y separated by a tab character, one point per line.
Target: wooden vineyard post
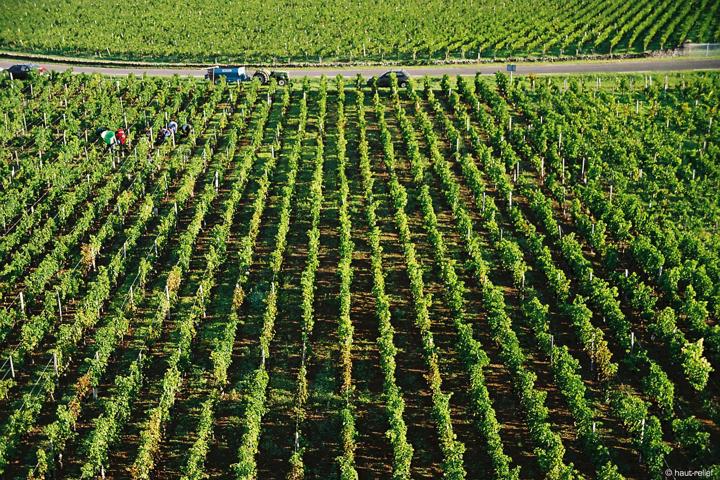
12	366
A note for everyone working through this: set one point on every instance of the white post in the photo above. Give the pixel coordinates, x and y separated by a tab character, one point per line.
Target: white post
12	367
59	304
22	303
167	292
55	363
632	339
642	432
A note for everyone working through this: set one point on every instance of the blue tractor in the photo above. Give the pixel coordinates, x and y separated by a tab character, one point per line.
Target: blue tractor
239	74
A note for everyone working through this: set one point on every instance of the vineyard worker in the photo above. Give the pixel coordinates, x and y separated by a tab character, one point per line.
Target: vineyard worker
173	126
121	137
163	135
185	130
108	136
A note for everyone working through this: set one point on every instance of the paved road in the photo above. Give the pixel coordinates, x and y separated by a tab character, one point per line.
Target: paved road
637	65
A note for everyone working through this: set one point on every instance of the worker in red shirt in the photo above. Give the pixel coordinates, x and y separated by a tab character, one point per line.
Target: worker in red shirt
121	137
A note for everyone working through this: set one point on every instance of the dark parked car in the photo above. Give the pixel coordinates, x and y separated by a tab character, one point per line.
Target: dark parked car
385	81
23	71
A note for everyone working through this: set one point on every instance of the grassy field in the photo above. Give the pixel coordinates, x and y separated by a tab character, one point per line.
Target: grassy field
469	278
352	31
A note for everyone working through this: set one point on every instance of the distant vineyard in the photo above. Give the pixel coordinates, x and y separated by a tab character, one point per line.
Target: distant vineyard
460	279
352	31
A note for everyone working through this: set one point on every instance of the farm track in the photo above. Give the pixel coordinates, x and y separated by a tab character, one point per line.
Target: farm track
608	66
